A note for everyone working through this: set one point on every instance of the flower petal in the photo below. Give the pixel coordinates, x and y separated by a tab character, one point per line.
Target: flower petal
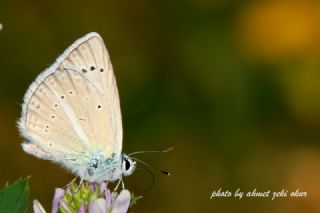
97	206
37	208
93	187
58	194
108	198
122	202
82	209
68	190
103	188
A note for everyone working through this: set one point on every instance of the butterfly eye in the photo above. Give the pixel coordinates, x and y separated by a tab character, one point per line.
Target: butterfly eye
127	164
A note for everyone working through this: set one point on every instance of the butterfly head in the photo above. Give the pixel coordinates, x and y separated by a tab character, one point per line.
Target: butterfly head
128	165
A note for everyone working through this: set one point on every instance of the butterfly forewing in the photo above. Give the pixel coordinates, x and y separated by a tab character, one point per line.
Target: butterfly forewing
73	107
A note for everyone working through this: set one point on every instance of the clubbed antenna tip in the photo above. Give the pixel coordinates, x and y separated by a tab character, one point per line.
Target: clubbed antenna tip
168	149
165	172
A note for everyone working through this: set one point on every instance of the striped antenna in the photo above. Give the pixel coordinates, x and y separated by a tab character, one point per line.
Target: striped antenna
153	151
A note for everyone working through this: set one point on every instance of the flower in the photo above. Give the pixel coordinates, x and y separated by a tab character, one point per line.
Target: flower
37	207
88	198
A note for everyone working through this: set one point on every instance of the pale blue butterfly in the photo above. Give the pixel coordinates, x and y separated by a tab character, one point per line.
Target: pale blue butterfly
71	114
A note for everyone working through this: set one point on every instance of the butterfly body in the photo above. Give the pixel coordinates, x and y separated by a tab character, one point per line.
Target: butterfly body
71	114
100	168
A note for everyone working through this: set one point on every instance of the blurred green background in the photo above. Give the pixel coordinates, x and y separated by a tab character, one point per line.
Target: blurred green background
233	85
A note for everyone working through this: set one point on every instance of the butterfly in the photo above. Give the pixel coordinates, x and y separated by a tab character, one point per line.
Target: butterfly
71	114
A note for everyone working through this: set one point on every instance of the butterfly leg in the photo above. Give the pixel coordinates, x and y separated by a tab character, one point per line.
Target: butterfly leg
81	181
122	183
116	188
71	182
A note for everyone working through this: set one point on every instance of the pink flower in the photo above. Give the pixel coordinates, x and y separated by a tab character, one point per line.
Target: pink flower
88	198
122	202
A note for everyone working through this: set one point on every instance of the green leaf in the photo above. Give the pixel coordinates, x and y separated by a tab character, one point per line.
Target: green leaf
134	199
14	198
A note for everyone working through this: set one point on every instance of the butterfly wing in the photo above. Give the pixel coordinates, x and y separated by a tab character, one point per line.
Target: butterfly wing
73	107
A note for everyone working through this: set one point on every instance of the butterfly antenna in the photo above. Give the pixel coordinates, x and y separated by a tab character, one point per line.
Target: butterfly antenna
153	151
152	167
152	175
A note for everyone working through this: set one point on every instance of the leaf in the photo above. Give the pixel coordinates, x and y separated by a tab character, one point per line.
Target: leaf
134	199
14	198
